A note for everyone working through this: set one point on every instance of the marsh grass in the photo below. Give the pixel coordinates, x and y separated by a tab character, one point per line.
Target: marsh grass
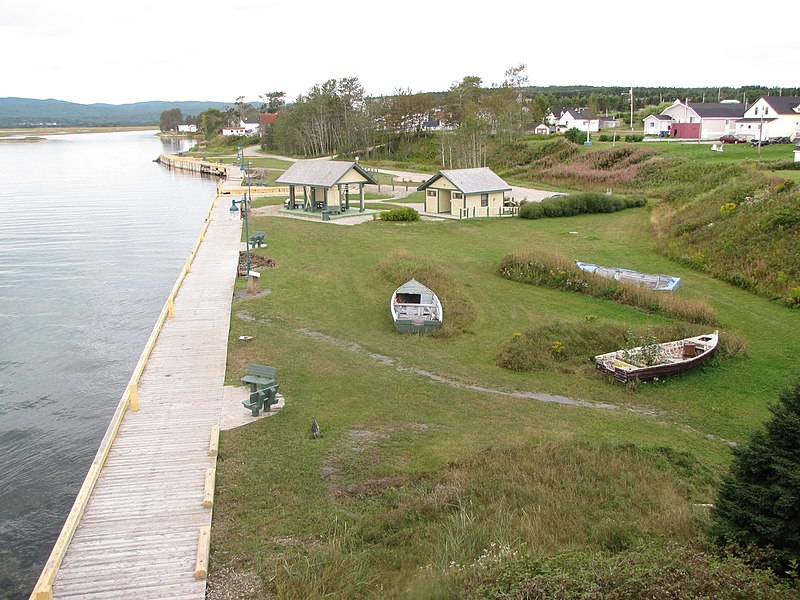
556	271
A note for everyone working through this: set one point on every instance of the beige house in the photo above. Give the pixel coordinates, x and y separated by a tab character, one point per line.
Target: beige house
325	185
466	193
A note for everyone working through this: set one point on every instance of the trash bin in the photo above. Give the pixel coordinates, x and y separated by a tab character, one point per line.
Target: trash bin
326	215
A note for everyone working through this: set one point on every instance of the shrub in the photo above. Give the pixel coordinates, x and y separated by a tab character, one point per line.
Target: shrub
531	210
578	204
634	137
604	137
555	271
575	135
400	214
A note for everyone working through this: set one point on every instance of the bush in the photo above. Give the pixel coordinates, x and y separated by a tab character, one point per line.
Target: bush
400	214
531	210
575	135
604	137
634	137
578	204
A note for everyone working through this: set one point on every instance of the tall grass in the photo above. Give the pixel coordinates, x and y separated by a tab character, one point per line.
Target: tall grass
558	272
400	266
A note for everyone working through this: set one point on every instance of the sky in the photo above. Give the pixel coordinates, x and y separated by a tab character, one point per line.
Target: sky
89	51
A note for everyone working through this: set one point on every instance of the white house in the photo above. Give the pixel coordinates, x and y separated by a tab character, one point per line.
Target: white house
187	128
543	129
770	117
703	120
243	129
571	118
657	125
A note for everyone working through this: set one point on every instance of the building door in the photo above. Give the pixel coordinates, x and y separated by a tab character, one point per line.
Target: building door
444	201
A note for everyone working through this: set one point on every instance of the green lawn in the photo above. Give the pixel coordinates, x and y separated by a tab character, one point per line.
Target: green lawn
414	470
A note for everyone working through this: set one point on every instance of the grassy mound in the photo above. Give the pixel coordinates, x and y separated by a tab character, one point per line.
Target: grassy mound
558	272
400	266
743	232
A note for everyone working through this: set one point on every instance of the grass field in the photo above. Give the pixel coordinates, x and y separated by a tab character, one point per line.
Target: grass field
430	452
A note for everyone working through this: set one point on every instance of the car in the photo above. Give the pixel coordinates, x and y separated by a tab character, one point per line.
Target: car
754	143
732	139
779	140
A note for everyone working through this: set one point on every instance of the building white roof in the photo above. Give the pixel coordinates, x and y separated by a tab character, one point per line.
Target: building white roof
320	173
471	181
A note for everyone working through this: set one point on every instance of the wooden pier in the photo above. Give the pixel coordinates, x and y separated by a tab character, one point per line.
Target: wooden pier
140	526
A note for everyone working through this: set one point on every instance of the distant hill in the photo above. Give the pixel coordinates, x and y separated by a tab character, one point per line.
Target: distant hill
29	112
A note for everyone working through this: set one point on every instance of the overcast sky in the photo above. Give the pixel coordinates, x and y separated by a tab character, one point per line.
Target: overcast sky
91	51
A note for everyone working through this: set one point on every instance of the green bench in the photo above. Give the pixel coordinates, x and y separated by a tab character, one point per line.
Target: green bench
259	376
257	238
262	399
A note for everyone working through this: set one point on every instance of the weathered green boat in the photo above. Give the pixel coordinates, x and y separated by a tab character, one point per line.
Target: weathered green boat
415	308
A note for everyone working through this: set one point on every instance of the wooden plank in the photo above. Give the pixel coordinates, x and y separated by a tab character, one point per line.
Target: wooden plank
208	490
203	550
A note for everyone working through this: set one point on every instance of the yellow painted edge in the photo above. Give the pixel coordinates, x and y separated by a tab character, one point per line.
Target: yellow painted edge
203	550
213	445
46	593
208	490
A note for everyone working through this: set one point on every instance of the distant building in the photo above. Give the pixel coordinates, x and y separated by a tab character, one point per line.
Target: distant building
187	128
703	120
543	129
267	118
579	120
770	117
657	125
243	129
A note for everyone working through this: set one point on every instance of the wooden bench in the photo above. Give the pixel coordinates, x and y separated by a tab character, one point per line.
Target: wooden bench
261	399
259	376
257	238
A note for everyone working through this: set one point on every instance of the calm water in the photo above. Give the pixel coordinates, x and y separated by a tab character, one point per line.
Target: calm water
92	237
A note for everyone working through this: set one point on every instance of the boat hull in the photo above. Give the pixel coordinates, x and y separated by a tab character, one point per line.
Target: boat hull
415	309
614	363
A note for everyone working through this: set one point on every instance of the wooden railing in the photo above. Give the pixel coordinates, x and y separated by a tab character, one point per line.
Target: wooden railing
43	590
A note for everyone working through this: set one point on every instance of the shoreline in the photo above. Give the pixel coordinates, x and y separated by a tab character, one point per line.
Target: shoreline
12	133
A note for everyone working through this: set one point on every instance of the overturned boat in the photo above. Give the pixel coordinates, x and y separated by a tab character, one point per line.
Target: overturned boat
415	308
668	358
659	283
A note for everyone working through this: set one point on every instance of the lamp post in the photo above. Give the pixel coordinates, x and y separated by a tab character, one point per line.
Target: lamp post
234	212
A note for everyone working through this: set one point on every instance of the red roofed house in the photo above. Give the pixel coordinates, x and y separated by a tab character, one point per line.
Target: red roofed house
267	118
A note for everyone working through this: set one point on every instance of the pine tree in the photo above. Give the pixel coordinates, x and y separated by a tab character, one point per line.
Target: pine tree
759	500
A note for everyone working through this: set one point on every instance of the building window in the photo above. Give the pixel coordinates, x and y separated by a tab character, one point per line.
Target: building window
431	192
484	199
766	110
457	195
756	110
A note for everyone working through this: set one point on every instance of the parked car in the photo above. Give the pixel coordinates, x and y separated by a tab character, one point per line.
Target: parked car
732	139
779	140
755	143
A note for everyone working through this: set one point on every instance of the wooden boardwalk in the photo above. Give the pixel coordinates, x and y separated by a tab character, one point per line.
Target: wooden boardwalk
138	538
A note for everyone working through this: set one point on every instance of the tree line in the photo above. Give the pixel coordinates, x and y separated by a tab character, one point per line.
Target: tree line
339	117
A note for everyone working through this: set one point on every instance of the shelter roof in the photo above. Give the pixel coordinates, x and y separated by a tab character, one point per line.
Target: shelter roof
321	173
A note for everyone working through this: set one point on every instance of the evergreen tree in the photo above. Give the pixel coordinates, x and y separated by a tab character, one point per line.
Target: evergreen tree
759	500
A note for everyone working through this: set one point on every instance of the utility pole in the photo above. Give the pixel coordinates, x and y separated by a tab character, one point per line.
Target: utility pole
631	108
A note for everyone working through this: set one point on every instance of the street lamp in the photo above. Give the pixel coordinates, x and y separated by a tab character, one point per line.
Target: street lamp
234	213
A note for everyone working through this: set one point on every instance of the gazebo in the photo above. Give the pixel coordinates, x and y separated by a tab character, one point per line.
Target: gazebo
327	184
